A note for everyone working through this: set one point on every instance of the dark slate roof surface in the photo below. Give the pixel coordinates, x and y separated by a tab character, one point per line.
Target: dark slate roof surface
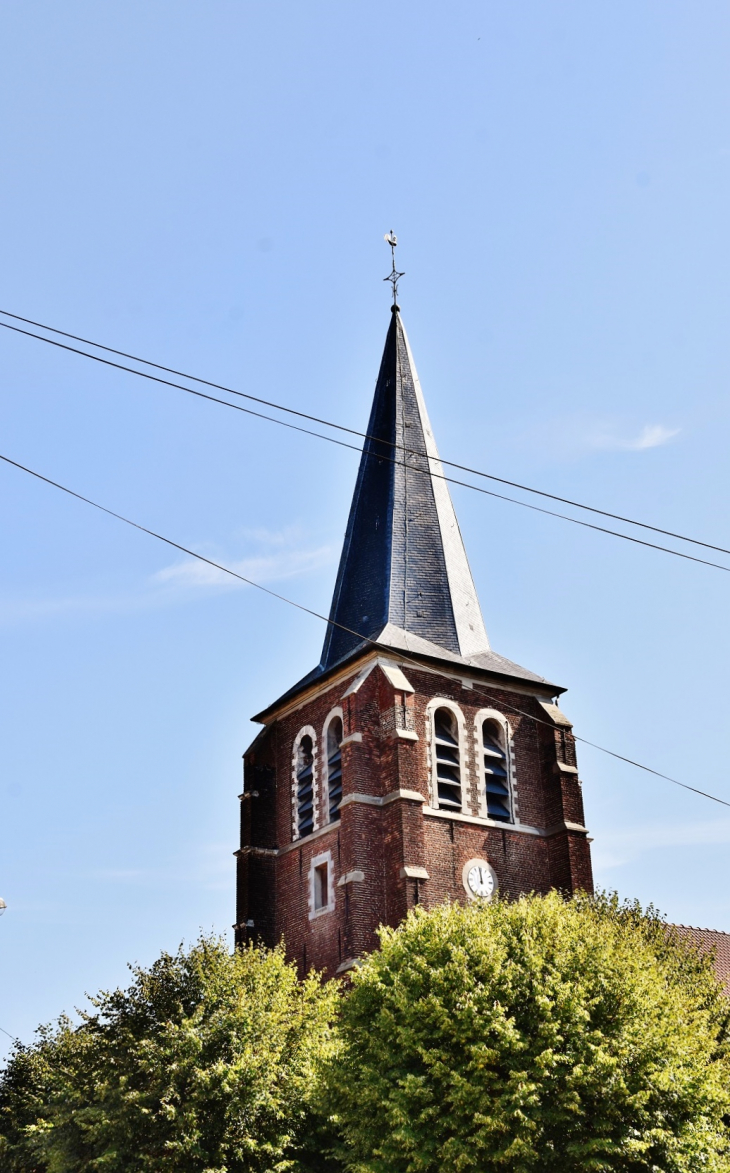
403	560
404	580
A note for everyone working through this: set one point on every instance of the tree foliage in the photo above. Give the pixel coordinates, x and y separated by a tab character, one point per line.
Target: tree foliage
542	1034
539	1036
205	1064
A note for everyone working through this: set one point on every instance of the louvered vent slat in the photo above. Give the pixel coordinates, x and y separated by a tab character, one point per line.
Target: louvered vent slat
334	768
496	774
305	791
448	760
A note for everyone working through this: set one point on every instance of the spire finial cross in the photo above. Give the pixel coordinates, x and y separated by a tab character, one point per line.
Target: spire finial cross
394	276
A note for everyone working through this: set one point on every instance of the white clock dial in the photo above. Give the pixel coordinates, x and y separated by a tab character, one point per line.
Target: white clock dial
480	880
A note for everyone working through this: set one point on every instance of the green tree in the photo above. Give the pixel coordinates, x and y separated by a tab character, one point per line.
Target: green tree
205	1064
25	1094
542	1034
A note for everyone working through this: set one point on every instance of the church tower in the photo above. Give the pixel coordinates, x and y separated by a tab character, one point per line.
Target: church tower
413	764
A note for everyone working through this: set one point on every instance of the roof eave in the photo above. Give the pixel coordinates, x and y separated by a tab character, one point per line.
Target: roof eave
347	664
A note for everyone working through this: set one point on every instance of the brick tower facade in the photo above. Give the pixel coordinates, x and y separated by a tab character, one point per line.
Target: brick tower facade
414	764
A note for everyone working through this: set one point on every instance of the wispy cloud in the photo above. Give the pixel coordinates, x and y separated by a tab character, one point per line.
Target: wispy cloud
620	847
579	435
651	436
118	874
207	865
285	562
12	610
272	556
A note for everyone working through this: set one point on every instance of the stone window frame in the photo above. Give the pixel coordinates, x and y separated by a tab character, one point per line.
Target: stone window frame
337	711
306	730
442	702
324	857
479	719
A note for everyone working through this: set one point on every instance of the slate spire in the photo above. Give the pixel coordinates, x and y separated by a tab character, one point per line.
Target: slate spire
403	566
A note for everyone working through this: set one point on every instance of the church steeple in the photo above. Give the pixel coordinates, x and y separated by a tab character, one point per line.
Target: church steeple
413	757
403	569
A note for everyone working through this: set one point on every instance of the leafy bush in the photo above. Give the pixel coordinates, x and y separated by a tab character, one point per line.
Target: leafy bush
206	1063
543	1034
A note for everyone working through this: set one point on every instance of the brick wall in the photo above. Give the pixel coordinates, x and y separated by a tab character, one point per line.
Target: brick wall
386	751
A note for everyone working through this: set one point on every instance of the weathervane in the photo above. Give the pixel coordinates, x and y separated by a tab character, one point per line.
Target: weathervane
394	275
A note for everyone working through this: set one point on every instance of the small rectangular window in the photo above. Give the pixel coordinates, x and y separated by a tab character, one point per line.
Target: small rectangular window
321	878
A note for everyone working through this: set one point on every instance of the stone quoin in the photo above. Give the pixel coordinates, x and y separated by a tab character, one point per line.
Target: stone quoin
414	764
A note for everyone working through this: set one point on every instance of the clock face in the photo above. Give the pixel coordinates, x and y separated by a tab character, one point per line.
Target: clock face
480	880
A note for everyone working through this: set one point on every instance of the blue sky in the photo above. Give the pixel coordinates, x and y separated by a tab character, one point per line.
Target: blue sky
208	185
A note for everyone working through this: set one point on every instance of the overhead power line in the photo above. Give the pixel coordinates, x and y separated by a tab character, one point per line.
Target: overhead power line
356	448
333	623
363	435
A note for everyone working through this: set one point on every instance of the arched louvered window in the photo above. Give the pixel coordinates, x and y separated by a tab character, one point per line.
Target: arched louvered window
496	772
334	768
305	787
448	760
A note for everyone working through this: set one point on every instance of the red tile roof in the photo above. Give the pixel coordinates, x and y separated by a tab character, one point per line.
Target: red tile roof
711	940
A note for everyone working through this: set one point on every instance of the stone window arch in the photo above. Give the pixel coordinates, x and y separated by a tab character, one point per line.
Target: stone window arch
493	752
305	804
332	735
448	756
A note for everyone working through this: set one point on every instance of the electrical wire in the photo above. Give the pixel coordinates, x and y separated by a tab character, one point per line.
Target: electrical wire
362	435
333	623
393	460
619	757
